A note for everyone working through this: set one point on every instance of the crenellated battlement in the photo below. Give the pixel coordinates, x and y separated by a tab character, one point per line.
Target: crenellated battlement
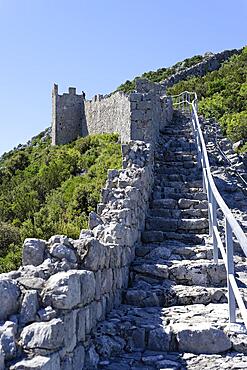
67	115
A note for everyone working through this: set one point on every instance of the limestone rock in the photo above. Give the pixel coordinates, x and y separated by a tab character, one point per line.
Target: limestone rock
94	220
9	293
78	358
157	270
109	347
202	338
66	290
159	339
95	257
33	252
239	342
91	359
7	340
32	282
29	307
61	251
85	233
39	363
43	335
46	314
60	239
63	290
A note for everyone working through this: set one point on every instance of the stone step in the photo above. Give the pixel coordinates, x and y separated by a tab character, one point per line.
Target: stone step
176	131
159	236
170	250
177	177
145	294
153	360
164	153
188	196
181	184
167	192
177	170
181	146
176	213
196	225
197	328
187	272
176	157
177	202
175	164
180	134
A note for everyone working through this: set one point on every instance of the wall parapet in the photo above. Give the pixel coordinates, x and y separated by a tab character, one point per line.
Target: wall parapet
211	63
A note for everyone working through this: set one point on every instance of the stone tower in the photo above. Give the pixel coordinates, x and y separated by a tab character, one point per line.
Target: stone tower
68	118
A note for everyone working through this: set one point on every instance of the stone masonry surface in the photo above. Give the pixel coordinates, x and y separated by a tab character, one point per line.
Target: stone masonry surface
50	305
137	116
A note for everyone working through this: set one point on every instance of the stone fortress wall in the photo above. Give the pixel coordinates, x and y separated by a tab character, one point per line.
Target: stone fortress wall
73	116
50	305
211	63
134	117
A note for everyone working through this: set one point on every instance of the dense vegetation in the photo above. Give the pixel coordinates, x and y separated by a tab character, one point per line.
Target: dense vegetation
46	190
223	94
161	73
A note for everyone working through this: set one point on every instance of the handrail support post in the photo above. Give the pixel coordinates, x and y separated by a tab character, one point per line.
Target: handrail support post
214	224
230	270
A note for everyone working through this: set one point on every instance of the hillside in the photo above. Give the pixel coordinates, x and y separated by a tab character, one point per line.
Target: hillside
46	190
161	73
223	95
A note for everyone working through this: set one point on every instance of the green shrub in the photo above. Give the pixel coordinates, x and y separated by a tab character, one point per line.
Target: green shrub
9	235
52	190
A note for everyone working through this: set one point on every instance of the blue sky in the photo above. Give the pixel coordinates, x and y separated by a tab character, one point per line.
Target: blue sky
95	46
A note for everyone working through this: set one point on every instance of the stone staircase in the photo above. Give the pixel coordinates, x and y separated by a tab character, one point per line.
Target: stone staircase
174	313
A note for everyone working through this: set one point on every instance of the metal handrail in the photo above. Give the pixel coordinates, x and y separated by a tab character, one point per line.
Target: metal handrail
187	105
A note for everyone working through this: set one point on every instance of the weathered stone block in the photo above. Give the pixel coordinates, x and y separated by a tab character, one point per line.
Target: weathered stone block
201	338
91	358
87	286
81	325
78	358
62	251
106	280
29	307
94	220
33	252
152	236
10	294
159	339
7	340
39	363
95	257
63	290
70	339
43	335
